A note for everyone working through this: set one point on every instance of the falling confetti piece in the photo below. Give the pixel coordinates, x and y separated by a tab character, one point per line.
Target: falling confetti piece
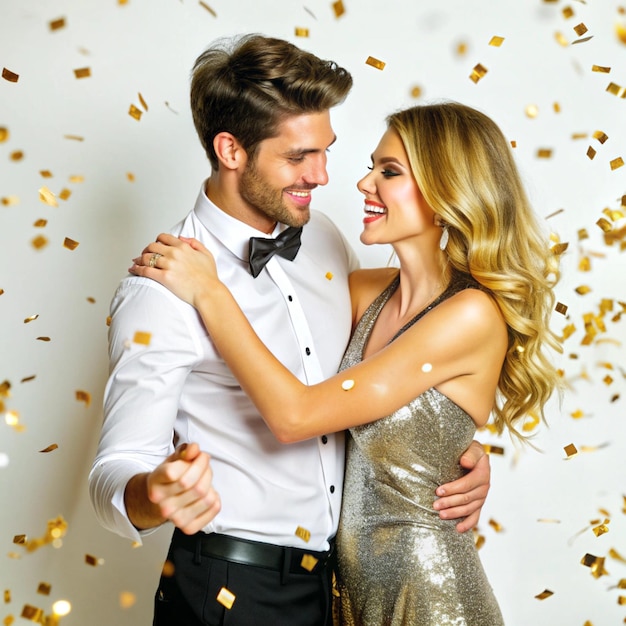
70	244
416	91
226	597
570	450
614	89
204	5
604	225
39	242
478	72
142	338
601	529
134	112
427	367
617	163
301	32
490	449
130	177
544	594
496	526
77	178
591	153
544	153
83	396
47	197
4	134
328	275
338	8
374	62
596	563
142	102
12	77
127	599
44	589
346	385
40	223
583	40
18	155
496	41
50	448
532	110
32	613
303	533
600	68
82	72
43	338
600	136
567	12
620	31
308	562
64	194
583	290
168	569
74	137
61	608
19	539
561	39
93	561
56	24
32	318
561	308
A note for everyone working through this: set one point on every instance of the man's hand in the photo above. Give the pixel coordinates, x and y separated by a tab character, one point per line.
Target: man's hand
179	489
465	496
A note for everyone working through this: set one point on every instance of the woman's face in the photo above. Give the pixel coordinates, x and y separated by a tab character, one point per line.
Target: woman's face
395	209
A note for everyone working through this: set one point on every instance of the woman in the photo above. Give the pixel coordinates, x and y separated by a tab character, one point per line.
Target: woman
456	335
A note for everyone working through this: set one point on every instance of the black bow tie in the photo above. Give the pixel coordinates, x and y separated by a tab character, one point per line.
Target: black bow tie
263	249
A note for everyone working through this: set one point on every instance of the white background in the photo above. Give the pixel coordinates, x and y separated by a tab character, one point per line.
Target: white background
148	47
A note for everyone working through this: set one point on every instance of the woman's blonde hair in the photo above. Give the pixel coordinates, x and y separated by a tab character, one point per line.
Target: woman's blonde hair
465	170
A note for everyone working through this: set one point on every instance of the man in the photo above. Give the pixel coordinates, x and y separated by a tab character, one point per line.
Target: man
261	109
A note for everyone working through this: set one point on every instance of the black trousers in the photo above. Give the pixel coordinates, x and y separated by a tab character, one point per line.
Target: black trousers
289	596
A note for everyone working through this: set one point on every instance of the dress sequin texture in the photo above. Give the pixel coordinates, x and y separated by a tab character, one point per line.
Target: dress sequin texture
399	563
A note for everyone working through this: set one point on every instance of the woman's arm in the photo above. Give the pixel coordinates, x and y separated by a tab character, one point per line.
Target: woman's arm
437	349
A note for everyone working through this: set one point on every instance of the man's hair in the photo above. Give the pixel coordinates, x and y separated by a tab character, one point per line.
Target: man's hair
248	85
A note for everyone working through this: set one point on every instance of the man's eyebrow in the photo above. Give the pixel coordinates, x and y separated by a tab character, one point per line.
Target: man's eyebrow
302	151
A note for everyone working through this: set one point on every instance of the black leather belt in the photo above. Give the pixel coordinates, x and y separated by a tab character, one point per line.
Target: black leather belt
255	553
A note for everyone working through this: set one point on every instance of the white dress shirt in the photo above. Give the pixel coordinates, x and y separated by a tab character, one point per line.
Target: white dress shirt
177	385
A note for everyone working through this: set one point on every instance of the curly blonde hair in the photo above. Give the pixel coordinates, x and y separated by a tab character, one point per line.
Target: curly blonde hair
465	170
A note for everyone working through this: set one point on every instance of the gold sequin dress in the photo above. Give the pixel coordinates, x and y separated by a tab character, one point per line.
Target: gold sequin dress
399	563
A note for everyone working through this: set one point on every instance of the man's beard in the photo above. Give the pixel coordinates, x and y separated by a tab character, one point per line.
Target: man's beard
258	193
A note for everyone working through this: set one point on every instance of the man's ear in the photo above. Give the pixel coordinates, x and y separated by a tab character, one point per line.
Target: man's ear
229	151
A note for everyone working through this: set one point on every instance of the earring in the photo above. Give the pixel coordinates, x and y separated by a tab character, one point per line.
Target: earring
445	235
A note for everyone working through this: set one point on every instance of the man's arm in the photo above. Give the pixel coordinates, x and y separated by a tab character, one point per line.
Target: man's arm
465	496
179	490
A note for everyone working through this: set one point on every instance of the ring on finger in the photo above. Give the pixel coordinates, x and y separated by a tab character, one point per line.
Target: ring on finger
154	258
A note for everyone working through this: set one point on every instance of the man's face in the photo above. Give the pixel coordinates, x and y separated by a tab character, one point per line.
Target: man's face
278	182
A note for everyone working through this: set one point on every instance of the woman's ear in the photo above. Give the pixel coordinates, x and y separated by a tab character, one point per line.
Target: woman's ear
229	151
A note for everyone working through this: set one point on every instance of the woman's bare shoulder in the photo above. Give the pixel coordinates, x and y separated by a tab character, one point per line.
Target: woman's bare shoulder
367	284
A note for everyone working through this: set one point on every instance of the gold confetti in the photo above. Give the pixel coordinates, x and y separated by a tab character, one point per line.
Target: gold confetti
44	589
478	72
45	173
614	89
556	107
328	275
596	563
142	102
605	225
513	144
168	569
461	48
130	177
579	135
204	5
601	529
40	223
346	385
583	40
301	32
416	91
142	338
134	112
50	448
32	318
10	200
561	39
617	163
620	31
7	596
567	12
570	450
70	244
4	134
56	24
614	554
77	179
479	540
47	197
83	396
82	72
544	153
496	526
591	153
19	539
548	520
32	613
600	136
379	65
226	598
583	234
17	155
601	69
546	593
490	449
303	533
12	77
39	242
43	338
582	290
308	562
532	110
108	320
561	308
496	41
64	194
74	137
580	29
607	380
93	561
338	8
127	599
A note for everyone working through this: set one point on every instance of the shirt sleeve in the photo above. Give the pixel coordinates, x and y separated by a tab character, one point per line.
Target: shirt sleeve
152	348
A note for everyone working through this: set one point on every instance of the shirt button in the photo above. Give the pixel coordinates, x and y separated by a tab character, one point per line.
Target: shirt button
332	489
290	298
308	351
324	439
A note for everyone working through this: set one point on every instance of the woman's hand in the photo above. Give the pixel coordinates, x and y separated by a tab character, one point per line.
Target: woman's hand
183	265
